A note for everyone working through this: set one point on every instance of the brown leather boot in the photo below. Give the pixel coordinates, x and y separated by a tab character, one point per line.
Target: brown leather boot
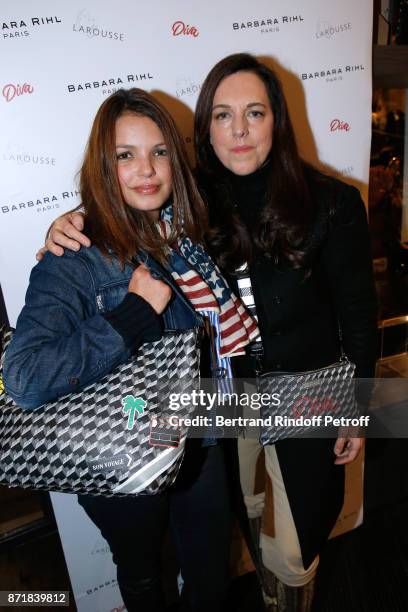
295	599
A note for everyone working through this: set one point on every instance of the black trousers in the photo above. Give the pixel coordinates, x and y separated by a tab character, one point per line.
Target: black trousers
197	510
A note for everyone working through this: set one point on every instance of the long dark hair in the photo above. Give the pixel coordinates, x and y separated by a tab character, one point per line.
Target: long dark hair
288	212
109	222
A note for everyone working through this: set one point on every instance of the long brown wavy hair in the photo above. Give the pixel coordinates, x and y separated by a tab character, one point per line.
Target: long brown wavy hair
288	212
110	223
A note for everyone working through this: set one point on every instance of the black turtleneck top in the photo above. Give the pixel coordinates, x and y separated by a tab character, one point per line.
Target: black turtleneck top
249	194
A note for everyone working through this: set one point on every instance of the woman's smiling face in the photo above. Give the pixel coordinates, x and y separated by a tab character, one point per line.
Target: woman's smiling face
241	123
143	164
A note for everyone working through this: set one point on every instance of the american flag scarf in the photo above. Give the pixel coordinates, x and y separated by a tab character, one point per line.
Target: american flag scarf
203	284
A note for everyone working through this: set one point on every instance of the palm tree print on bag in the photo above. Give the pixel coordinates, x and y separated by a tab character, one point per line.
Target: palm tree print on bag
134	406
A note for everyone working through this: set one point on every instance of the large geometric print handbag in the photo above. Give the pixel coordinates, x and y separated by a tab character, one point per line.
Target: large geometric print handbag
115	437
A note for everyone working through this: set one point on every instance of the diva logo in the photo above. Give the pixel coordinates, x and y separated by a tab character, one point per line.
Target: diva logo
339	126
180	28
10	91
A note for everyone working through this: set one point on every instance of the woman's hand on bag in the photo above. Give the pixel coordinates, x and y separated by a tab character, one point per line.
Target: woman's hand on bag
65	232
347	448
154	291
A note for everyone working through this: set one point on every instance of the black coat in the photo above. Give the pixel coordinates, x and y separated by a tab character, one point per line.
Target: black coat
298	316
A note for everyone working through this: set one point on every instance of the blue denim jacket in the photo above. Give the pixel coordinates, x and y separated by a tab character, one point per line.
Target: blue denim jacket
62	342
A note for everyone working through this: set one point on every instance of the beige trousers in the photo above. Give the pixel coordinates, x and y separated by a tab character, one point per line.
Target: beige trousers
279	541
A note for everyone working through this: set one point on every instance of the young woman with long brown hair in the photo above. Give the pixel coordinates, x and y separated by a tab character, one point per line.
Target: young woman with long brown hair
86	312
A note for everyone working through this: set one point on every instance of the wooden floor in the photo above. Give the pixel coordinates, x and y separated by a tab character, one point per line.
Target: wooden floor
35	565
17	508
363	571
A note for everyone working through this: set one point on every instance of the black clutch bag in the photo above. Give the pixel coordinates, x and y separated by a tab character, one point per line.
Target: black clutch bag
309	402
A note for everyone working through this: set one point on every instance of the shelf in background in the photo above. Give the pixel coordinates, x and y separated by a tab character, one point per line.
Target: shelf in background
390	66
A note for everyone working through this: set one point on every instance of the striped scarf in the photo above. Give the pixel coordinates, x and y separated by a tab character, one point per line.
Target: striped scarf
203	284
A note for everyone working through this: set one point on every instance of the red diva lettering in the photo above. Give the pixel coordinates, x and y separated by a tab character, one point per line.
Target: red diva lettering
337	125
308	406
179	27
10	91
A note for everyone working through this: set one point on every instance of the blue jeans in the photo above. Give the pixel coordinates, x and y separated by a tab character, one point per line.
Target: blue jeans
197	510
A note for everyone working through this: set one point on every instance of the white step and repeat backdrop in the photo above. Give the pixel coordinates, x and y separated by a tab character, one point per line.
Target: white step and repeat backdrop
60	60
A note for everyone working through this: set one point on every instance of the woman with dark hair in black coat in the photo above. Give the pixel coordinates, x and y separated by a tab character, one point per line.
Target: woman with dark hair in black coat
304	239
